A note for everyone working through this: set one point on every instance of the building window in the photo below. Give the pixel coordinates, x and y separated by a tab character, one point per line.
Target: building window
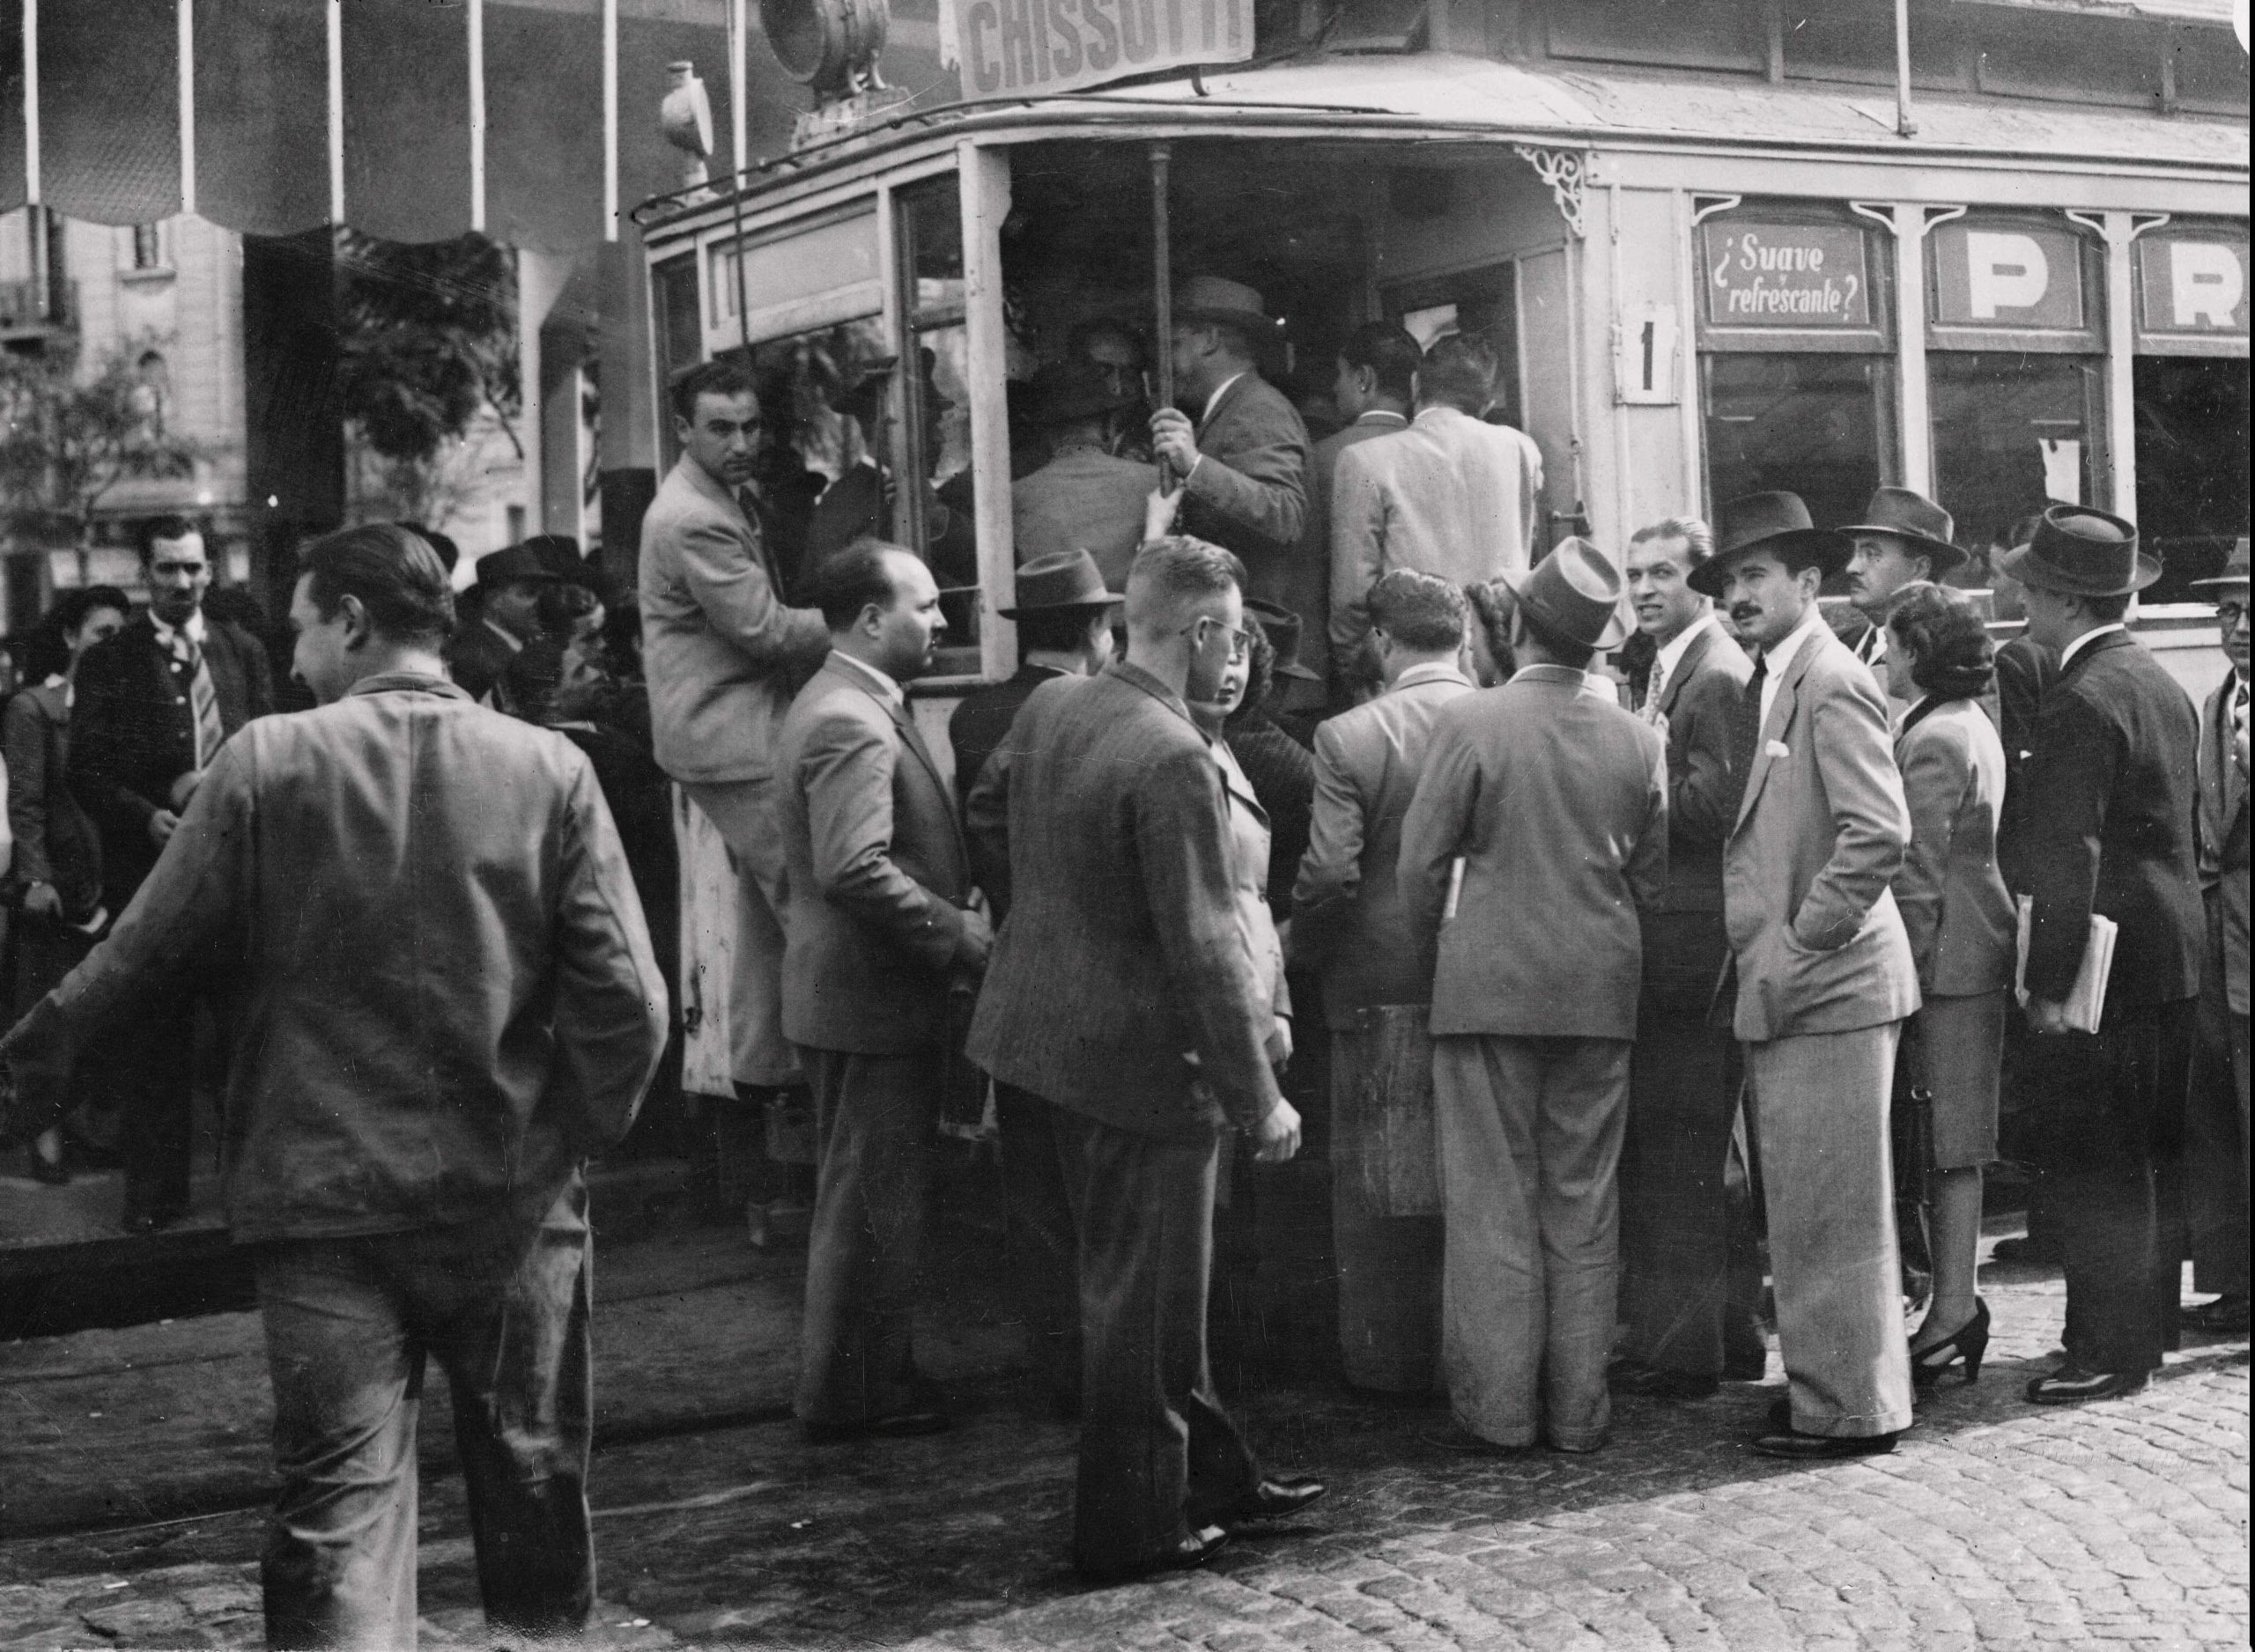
1797	358
148	246
2190	398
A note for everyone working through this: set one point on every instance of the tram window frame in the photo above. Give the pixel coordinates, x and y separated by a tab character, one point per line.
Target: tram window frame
2192	536
1874	345
932	298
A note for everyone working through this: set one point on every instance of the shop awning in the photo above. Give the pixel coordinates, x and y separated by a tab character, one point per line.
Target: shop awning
299	113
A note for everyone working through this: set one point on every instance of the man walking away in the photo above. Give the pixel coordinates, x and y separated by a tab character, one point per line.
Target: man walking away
879	933
722	656
443	1001
1121	993
154	705
2106	829
1086	498
1349	922
2217	1143
1555	803
1825	979
1374	384
1676	1213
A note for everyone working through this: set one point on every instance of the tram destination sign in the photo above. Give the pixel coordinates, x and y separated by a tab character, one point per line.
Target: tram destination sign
1047	46
1798	276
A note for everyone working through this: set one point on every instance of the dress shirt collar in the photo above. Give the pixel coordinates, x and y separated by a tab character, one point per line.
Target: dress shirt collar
1548	673
1382	415
1672	652
1776	661
193	628
1215	400
516	644
1431	671
885	688
2067	654
1439	413
414	682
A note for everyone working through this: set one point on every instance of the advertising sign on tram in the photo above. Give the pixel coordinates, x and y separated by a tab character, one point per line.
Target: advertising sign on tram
1787	275
2192	283
1052	45
2006	273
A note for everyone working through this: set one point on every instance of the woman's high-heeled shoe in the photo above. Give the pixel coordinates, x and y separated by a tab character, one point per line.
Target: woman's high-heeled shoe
1970	1342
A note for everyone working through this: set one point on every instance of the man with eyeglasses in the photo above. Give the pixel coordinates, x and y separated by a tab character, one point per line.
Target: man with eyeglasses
154	705
1120	992
2216	1125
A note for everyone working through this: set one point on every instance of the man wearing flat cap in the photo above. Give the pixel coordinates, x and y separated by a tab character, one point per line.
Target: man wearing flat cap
2105	828
1239	452
1824	976
2217	1122
1904	537
1087	497
507	593
1554	802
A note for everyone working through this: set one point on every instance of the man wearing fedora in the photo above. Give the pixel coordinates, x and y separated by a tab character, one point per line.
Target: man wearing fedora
1086	498
1904	537
1823	976
1453	495
1554	802
1239	453
2216	1122
1349	923
1064	616
2105	828
507	594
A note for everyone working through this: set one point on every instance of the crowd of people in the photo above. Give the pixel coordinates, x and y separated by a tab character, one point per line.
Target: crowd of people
1673	913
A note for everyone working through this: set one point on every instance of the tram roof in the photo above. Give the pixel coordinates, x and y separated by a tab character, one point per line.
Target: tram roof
1441	96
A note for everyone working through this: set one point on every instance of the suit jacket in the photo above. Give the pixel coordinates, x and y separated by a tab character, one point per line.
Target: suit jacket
1249	842
874	871
1121	958
133	733
477	659
1450	495
1955	908
1250	496
1282	774
2223	837
721	651
1557	802
1306	585
1699	701
1083	500
2105	824
1817	943
982	718
1349	919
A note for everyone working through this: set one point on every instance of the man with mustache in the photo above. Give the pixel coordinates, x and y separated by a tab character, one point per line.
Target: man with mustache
1825	979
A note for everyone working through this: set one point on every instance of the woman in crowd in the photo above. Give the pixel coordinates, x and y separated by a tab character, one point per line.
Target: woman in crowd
1960	921
1249	837
57	876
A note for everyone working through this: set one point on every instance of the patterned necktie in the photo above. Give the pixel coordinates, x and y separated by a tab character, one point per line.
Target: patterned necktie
1746	732
211	733
1654	690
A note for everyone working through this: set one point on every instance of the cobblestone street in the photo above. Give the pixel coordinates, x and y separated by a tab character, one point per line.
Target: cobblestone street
1995	1525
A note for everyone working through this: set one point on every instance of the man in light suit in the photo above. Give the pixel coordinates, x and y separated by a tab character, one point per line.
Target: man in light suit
1242	465
2216	1123
1904	537
1553	803
1121	993
722	655
879	931
1683	1085
1374	384
2106	828
1349	923
1825	979
1453	495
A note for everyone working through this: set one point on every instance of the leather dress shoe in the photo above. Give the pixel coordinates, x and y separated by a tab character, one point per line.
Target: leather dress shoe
2072	1384
1795	1446
2226	1316
1199	1546
1656	1381
1273	1500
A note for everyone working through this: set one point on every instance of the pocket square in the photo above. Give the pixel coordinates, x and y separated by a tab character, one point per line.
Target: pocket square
1779	749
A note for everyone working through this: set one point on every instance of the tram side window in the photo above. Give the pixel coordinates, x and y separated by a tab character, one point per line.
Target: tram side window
932	439
1818	425
2190	398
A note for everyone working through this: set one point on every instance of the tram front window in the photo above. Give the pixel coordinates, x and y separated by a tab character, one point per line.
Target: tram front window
1818	424
2013	431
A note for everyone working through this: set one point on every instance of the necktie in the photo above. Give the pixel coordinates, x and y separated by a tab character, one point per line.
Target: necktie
203	698
1746	732
1653	690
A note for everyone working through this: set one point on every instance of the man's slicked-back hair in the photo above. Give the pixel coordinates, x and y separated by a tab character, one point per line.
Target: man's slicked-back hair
1389	350
1460	370
1172	575
710	378
398	577
1698	538
158	527
1419	610
849	582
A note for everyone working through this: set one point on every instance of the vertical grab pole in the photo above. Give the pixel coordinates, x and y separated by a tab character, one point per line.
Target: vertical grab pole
1163	283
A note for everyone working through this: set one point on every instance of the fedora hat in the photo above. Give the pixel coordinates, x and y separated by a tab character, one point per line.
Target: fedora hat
1061	579
1066	392
513	565
1282	627
1213	298
1915	519
2077	552
1575	591
2235	566
1767	522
